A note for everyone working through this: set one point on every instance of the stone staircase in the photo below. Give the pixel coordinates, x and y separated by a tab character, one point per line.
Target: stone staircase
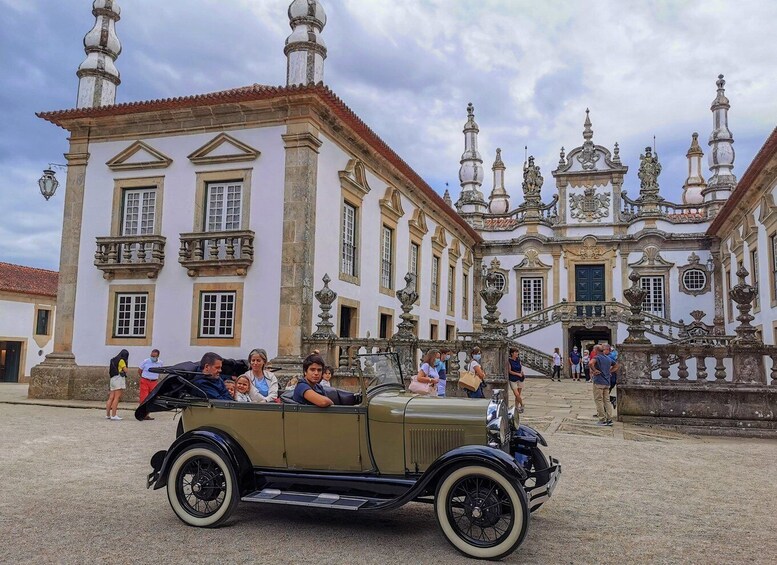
587	313
535	359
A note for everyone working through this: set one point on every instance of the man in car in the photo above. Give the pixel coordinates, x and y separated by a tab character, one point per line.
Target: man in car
209	381
308	390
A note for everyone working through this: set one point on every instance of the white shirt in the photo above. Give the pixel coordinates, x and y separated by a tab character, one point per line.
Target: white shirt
556	359
148	364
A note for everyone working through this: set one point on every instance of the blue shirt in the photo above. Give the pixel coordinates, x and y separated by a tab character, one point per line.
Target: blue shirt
614	358
302	387
575	358
212	387
515	366
603	364
440	366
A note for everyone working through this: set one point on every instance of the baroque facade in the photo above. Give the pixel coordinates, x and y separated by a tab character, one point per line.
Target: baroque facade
264	195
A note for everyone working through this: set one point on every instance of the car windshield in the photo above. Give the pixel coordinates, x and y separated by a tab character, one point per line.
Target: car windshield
380	369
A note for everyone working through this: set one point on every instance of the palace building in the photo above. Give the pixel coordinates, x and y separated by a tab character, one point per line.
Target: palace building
209	222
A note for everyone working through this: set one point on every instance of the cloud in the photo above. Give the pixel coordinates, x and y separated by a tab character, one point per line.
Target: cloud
409	68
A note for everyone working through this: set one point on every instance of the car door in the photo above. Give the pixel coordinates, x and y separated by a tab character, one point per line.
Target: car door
325	439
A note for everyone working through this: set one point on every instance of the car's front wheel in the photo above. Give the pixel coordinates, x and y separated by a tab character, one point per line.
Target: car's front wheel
201	487
481	512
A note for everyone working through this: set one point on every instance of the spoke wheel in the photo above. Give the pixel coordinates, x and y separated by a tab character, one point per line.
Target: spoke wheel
201	487
481	512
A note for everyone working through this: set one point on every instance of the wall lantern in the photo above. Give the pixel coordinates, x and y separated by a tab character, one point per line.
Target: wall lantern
710	264
48	182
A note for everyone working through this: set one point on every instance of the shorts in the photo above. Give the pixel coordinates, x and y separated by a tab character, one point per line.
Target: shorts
118	383
515	385
575	369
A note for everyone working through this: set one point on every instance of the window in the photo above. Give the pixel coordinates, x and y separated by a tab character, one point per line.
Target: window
217	314
531	295
499	281
385	326
450	332
223	206
139	211
130	318
451	281
465	296
694	279
754	268
435	281
348	259
654	299
414	253
729	301
433	330
386	258
773	245
42	322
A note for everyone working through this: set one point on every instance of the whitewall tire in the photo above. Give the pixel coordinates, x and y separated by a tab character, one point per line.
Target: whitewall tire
481	512
202	487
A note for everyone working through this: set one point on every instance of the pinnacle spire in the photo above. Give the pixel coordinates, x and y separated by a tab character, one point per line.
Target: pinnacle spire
498	201
695	183
471	172
588	133
305	50
97	75
721	142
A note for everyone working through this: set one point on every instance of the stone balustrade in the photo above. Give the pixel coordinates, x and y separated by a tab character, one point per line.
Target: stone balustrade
217	253
669	211
132	256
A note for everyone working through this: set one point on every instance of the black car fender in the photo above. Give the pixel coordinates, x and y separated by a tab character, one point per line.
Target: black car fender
217	439
459	457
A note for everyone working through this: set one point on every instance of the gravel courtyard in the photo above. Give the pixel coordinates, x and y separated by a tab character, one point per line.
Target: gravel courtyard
73	491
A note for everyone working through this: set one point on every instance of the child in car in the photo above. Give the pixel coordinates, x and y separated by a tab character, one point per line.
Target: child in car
230	384
243	389
327	377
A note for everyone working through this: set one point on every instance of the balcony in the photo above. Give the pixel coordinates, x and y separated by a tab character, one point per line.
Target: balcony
217	253
130	257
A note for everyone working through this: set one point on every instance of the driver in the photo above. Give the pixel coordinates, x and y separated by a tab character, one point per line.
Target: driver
308	390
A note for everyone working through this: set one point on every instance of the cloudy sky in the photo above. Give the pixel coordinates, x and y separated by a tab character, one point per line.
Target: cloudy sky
408	68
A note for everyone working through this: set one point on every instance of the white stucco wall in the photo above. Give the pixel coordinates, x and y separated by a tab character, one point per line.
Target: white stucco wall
332	159
174	288
17	323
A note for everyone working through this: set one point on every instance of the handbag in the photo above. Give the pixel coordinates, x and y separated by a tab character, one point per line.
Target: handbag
418	387
469	380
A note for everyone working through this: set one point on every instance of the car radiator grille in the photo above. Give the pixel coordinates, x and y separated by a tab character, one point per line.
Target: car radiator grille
427	445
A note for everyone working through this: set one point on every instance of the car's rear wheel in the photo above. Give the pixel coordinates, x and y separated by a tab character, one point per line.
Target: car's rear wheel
481	512
201	487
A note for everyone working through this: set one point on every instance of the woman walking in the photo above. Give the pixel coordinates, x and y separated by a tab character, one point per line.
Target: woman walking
117	371
474	366
556	365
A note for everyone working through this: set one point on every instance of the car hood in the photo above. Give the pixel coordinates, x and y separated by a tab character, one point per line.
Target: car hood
435	411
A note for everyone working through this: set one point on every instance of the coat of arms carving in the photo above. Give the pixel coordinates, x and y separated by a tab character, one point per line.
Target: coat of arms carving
589	206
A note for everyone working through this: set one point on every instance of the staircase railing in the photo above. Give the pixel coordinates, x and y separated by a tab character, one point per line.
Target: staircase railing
609	311
535	359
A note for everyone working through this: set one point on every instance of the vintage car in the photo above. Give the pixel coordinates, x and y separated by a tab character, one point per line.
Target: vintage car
376	449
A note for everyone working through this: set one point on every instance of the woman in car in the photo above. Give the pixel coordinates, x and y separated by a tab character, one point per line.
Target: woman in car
264	385
309	390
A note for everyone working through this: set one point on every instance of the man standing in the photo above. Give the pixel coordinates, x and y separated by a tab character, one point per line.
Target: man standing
148	380
209	380
556	365
601	366
574	364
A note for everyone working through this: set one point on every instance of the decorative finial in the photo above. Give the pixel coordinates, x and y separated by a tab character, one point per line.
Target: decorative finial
498	161
562	157
305	50
588	133
616	153
97	75
470	110
447	198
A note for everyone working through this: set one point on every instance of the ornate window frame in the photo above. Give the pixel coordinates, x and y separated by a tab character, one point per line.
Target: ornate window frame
113	292
353	188
694	264
235	340
531	267
390	212
203	179
651	264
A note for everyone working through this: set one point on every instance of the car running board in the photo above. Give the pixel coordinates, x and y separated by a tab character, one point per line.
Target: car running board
323	500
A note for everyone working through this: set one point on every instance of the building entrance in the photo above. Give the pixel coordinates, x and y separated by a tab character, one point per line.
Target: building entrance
586	338
10	361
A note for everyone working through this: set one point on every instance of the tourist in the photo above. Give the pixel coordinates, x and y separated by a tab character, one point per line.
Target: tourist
230	386
264	384
613	355
309	389
474	367
556	365
586	368
292	384
516	377
209	378
601	365
148	380
442	371
427	378
327	377
243	390
117	371
574	364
